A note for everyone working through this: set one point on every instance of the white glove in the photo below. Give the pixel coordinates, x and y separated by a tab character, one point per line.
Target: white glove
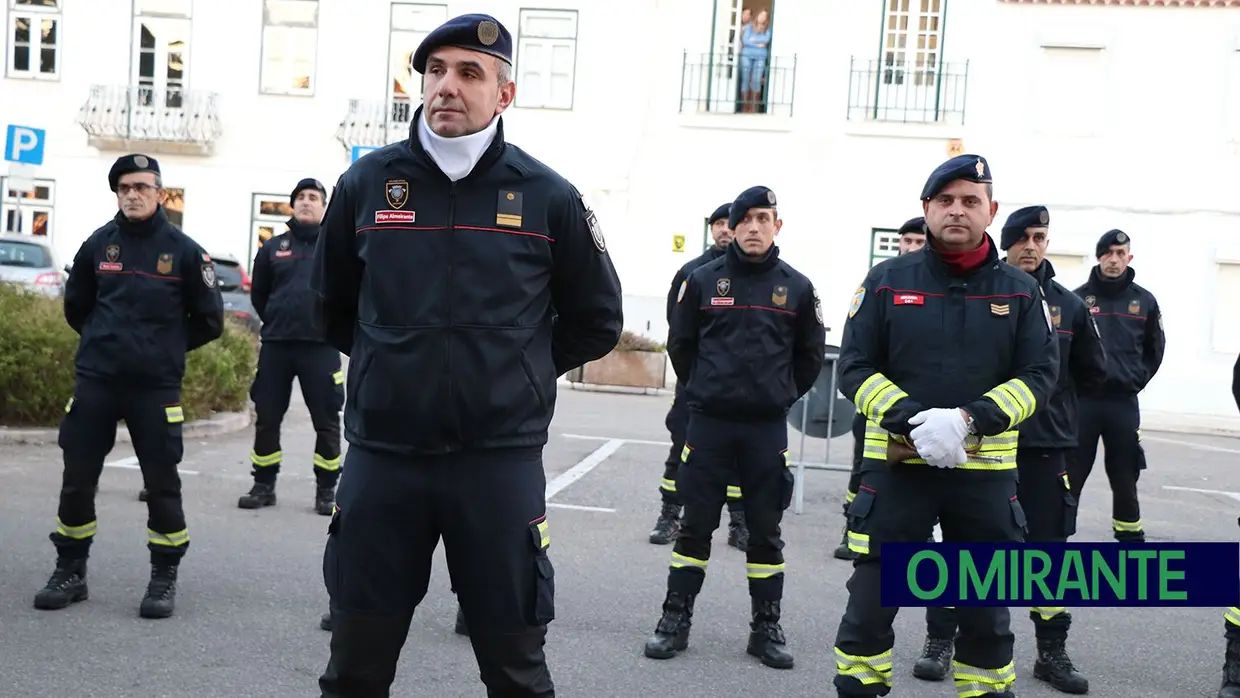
939	436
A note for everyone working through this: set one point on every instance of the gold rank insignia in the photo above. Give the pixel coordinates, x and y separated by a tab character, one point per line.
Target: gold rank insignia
1000	309
1056	315
508	210
980	167
780	296
164	266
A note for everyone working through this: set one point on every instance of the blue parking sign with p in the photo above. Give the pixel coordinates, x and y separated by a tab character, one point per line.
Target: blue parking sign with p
24	145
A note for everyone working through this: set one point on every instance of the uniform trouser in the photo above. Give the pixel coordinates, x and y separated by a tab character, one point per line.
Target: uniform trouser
489	507
87	435
1231	623
854	478
677	422
713	449
317	370
1117	420
1050	511
899	504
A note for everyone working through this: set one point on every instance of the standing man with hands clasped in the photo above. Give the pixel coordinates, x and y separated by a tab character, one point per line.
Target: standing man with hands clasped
747	339
945	352
462	277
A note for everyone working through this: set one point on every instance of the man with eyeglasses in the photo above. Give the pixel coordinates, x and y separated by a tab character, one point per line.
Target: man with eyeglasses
141	294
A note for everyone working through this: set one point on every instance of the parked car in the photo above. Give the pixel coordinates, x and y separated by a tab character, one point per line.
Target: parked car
235	287
30	262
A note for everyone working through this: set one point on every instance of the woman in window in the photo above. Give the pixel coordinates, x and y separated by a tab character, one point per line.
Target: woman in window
755	50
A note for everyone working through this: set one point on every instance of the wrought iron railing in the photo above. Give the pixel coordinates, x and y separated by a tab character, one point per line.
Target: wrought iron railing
375	123
142	113
930	93
723	83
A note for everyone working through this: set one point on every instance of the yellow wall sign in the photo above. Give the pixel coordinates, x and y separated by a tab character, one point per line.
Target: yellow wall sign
678	243
955	147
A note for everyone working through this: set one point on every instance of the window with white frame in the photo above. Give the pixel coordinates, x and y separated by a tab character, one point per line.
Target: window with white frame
161	31
269	214
1071	91
409	24
546	58
290	46
884	244
34	39
28	212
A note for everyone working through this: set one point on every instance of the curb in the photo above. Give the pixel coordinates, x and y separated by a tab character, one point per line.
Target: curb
618	389
217	425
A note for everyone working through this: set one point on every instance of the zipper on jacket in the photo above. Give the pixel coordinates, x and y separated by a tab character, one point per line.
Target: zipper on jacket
447	339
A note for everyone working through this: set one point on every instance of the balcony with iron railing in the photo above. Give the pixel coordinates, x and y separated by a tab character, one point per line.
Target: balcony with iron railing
167	120
723	83
372	123
906	93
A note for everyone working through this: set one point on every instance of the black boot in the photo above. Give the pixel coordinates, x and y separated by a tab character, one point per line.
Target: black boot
325	621
667	526
1231	671
324	499
738	532
66	586
936	659
671	635
142	495
161	593
842	551
461	628
262	494
1055	667
766	638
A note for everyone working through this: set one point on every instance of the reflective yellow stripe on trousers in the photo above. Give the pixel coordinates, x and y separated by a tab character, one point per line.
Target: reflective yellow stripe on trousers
1001	449
974	681
868	670
1233	616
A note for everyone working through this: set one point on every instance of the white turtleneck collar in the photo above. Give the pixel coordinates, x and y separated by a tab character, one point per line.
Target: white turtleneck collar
456	156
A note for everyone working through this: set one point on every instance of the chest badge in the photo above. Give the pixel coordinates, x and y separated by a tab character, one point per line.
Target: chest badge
164	265
722	288
508	210
1056	315
397	192
780	296
1134	307
284	250
111	253
1090	301
1000	309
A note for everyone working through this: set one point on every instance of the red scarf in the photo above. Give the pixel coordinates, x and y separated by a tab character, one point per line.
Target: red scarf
961	263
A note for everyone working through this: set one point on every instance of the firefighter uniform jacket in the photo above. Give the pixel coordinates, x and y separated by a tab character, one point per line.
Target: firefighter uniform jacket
443	296
141	295
712	253
918	337
280	290
1132	332
747	337
1082	366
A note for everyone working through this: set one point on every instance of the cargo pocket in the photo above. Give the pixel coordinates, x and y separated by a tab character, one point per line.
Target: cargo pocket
174	416
331	554
1069	507
1018	518
788	484
858	521
544	573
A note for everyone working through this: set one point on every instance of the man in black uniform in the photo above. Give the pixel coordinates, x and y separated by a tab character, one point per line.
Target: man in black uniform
668	523
1132	331
747	340
1046	442
945	352
293	347
912	238
141	294
462	277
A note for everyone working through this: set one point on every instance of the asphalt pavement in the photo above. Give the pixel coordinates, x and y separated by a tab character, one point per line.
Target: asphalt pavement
251	587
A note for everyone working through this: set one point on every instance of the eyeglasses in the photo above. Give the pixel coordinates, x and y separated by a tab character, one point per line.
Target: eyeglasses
140	188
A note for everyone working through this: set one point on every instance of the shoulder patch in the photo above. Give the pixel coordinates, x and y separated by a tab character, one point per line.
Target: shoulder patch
596	230
857	299
208	275
817	305
684	285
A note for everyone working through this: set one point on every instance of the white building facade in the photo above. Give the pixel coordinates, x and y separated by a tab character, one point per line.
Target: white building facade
1114	114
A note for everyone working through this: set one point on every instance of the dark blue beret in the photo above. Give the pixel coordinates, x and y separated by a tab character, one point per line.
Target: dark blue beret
972	168
720	214
307	183
126	164
1022	219
914	225
482	33
1110	237
753	197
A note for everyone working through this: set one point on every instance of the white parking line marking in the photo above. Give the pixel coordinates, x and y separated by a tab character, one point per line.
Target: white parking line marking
587	437
1191	444
131	463
580	507
580	470
1233	495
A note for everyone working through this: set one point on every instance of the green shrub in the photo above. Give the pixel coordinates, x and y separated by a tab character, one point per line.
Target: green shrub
631	341
37	348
